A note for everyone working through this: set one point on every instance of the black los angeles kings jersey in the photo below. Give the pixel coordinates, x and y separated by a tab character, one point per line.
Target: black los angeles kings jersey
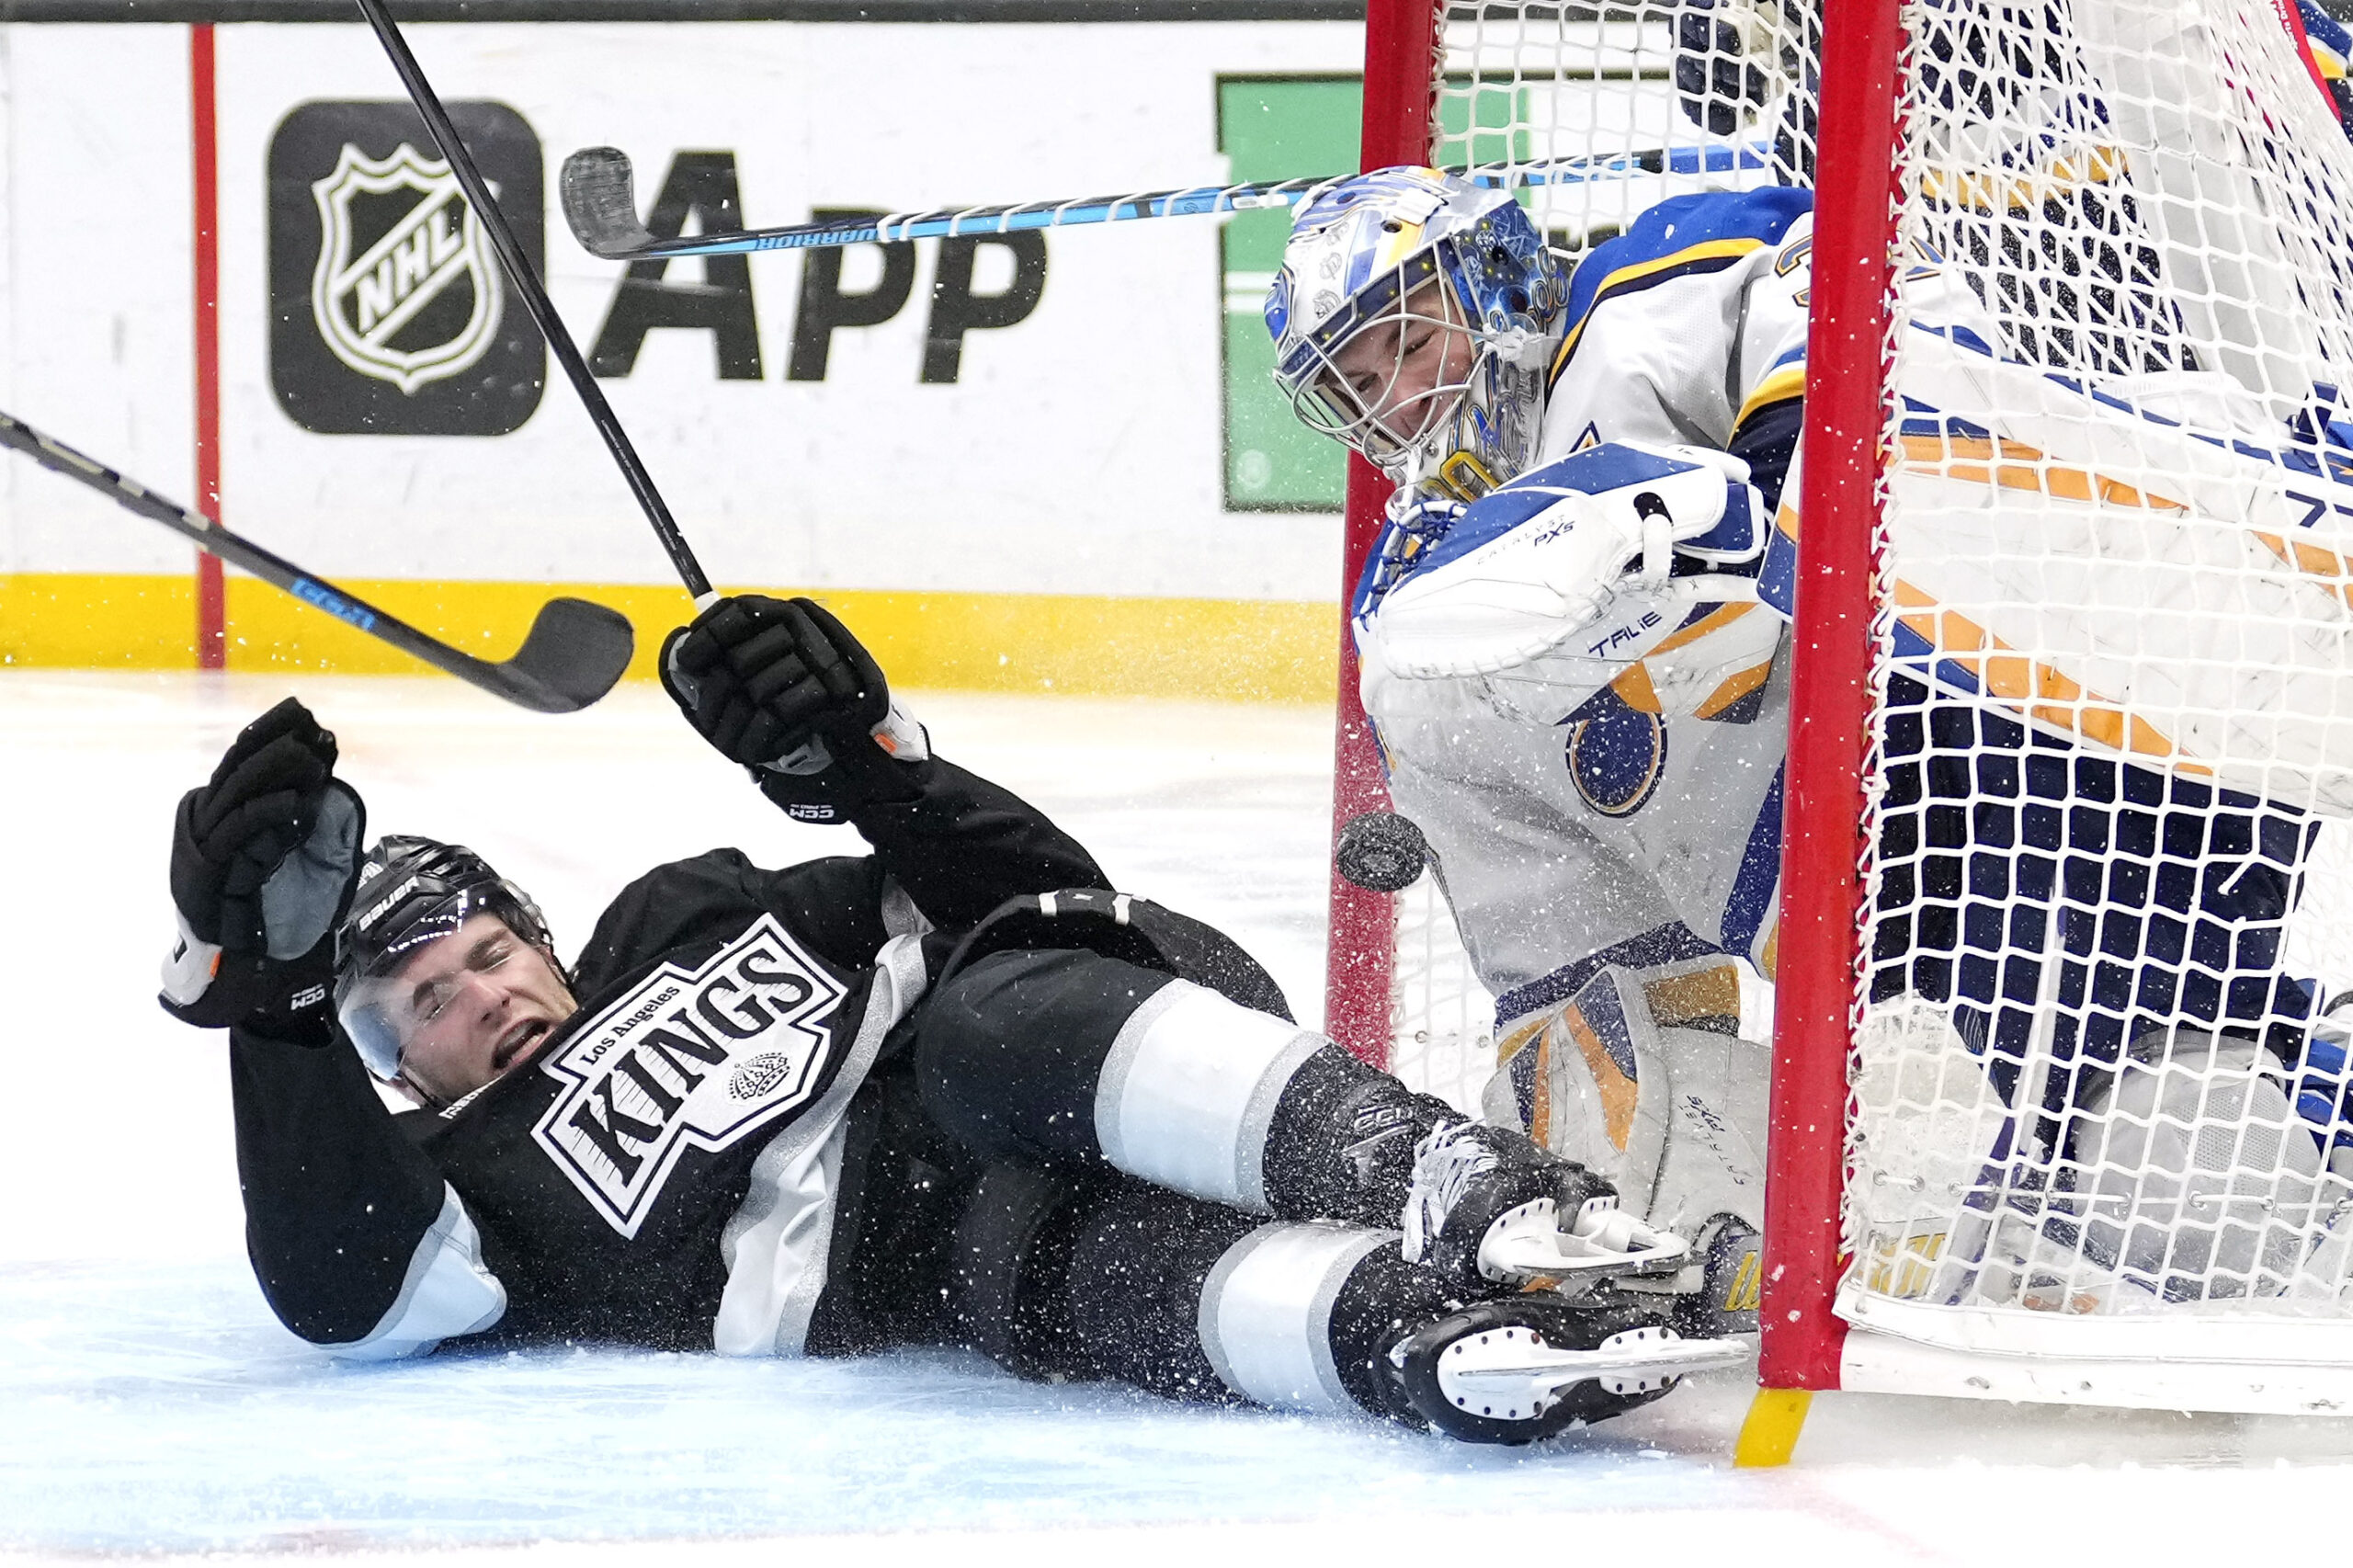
662	1170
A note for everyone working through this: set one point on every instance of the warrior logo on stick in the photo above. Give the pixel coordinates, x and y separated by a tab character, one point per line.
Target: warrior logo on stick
405	288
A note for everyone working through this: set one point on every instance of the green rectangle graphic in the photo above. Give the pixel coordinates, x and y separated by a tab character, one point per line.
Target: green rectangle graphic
1274	128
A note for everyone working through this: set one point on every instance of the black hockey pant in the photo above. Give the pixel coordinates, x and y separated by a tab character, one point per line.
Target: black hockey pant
1090	1169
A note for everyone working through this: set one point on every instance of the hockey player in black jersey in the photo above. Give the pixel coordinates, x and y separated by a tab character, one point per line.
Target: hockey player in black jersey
949	1092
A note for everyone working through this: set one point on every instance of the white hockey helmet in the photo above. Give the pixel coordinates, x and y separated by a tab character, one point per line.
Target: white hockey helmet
1410	319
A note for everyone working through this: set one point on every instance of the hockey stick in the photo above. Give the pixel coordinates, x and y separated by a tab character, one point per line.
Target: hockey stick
536	301
574	653
598	191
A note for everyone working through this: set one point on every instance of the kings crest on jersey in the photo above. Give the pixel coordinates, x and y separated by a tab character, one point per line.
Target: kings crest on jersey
700	1057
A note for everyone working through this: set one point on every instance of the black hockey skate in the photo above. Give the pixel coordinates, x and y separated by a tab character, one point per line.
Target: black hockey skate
1487	1206
1523	1367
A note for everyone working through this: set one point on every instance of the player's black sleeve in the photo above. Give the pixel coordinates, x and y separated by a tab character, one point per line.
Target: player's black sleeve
337	1198
959	848
835	905
963	845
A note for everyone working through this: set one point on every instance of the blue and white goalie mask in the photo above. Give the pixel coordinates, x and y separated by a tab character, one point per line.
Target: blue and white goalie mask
1410	322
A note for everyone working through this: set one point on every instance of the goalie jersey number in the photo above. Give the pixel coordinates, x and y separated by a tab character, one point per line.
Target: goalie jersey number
701	1060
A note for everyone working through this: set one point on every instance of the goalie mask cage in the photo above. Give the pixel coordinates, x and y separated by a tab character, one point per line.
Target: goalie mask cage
2058	1113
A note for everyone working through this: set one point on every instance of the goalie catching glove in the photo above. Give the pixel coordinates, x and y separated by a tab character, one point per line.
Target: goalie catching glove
782	687
264	859
1581	556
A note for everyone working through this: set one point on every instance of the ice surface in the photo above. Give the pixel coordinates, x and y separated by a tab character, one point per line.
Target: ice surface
150	1405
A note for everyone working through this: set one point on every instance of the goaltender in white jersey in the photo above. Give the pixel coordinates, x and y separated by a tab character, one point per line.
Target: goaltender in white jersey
1574	642
1593	758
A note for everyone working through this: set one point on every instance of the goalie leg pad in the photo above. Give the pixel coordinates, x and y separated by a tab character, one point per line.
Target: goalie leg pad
1638	1076
2202	1180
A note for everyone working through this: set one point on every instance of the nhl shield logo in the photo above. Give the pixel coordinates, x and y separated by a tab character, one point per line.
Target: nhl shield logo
406	289
387	314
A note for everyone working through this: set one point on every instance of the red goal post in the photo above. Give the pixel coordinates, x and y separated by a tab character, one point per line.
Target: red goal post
1403	76
1400	88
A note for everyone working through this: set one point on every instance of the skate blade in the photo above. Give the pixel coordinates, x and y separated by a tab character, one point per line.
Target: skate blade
1514	1371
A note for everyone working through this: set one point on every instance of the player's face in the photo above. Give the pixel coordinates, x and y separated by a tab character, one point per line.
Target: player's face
474	1005
1404	369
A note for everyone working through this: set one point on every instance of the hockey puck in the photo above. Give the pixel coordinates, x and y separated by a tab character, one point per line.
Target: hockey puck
1381	852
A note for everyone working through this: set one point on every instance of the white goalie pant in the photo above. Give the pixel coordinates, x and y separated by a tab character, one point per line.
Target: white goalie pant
1618	1078
2186	1175
2148	570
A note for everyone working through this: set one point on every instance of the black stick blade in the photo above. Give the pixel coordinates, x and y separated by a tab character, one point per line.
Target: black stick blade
574	653
600	203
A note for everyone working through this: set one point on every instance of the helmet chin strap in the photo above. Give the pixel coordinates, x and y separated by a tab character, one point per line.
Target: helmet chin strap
1490	439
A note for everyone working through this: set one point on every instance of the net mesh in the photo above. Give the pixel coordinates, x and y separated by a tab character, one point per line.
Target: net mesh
2109	891
2104	895
1442	1020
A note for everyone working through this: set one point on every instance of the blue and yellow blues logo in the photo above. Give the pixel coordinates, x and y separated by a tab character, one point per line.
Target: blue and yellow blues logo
1616	754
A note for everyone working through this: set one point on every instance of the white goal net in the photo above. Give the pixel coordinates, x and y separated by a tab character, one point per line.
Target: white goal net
2096	1107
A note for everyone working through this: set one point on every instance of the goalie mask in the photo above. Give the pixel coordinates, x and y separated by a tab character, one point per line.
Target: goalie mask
412	891
1410	322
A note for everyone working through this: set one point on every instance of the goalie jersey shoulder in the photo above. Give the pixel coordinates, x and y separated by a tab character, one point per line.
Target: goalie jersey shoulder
1681	238
2330	45
1688	329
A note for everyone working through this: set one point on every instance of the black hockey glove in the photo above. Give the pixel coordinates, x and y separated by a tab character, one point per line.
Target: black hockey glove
264	860
782	687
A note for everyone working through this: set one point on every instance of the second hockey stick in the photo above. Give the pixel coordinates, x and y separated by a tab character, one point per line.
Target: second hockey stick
535	300
574	653
599	195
